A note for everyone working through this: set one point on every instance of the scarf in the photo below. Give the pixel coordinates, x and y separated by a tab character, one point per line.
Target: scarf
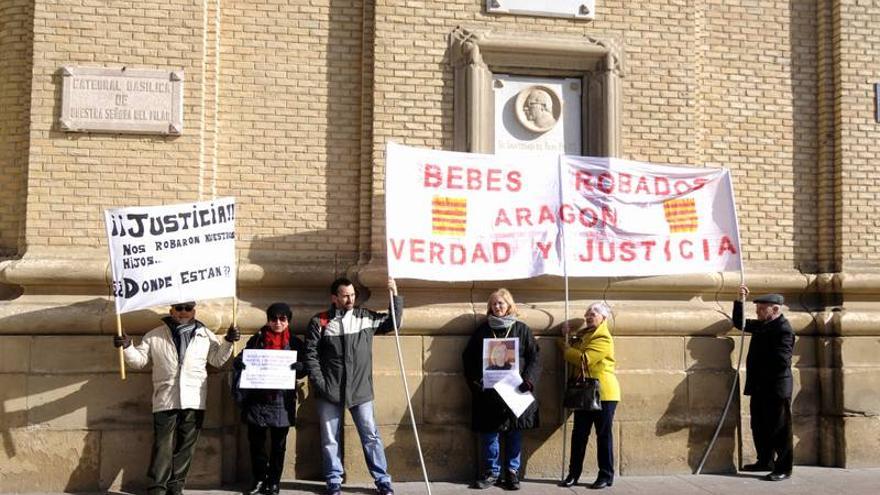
501	322
277	341
182	334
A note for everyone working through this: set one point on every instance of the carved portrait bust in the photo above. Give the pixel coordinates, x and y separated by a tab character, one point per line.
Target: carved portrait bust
538	108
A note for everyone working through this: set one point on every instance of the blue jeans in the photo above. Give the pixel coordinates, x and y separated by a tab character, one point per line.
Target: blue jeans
491	450
331	429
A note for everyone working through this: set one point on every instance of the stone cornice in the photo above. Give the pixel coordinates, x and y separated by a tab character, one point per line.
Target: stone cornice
75	291
484	47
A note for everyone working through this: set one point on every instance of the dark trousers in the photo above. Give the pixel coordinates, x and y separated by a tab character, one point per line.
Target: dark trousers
267	466
771	431
580	434
174	435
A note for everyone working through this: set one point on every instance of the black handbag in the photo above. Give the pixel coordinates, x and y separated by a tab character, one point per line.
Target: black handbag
582	392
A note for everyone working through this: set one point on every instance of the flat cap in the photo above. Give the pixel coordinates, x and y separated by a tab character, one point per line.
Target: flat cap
770	299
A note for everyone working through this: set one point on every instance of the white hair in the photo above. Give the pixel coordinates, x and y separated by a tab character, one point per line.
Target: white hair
601	308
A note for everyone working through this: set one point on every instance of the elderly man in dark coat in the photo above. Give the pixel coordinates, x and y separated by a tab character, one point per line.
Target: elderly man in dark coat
769	383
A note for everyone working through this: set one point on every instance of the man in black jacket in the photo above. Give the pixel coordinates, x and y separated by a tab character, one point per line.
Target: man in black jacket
769	383
339	359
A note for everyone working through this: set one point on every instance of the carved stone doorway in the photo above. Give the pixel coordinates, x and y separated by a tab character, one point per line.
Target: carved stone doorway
478	57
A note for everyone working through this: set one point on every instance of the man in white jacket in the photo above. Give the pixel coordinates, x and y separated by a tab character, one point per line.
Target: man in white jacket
180	350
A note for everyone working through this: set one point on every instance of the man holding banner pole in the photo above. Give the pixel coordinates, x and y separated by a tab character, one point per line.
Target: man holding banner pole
339	358
179	350
769	383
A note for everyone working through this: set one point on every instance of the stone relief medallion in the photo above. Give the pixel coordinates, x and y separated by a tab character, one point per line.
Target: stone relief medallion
538	108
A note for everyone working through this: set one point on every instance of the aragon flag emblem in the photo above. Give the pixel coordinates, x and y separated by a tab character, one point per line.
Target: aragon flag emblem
681	214
449	216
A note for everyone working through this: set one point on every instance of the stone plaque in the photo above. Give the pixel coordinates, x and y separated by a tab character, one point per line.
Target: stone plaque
577	9
537	114
141	101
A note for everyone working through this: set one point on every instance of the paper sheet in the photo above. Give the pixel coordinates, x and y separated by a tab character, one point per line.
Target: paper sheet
268	369
508	389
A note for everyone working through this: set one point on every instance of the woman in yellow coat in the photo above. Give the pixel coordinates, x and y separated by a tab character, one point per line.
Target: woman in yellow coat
594	347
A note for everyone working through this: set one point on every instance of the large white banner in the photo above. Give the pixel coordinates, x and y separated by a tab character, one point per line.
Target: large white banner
464	216
461	216
169	254
631	218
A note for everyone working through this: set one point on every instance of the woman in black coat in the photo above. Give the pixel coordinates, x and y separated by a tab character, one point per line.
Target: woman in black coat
270	412
491	417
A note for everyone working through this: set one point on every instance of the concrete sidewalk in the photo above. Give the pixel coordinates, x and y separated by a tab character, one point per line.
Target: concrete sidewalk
806	480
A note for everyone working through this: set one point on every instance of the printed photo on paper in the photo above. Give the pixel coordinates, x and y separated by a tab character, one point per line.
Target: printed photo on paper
500	358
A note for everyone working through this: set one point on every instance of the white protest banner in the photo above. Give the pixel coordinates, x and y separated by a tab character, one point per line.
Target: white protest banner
647	219
163	255
463	216
268	369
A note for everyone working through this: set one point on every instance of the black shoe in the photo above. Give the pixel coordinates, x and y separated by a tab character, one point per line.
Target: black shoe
512	481
255	488
486	481
601	483
757	467
334	489
778	476
568	482
271	489
384	489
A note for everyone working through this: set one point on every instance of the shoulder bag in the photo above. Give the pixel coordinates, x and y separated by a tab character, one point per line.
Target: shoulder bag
582	392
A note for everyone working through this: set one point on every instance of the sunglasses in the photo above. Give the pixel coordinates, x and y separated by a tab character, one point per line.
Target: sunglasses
281	318
183	307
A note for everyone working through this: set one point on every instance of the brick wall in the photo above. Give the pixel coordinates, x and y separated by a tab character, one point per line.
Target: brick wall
292	115
720	84
285	142
16	36
857	45
290	127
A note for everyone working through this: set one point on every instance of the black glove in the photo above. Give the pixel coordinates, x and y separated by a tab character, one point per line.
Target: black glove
526	386
121	341
238	364
297	366
233	334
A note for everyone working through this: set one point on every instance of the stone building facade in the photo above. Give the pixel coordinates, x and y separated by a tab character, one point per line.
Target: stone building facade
288	106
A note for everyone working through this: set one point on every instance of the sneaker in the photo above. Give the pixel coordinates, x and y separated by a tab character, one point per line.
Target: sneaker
384	489
512	482
486	481
334	489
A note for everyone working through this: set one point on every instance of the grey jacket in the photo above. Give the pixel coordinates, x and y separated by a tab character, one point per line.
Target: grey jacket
339	352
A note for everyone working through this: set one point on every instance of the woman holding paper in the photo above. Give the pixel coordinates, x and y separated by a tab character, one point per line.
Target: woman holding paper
491	417
266	411
594	347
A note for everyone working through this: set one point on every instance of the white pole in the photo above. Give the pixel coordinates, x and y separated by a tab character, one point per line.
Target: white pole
564	364
742	341
733	387
409	408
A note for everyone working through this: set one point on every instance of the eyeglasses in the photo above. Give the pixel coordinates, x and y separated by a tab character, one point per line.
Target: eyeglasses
183	307
281	318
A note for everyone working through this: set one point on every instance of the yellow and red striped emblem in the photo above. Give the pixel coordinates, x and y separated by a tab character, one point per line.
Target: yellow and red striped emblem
681	215
449	216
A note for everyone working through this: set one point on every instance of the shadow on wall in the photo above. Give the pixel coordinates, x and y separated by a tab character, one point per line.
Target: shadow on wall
443	407
71	387
698	402
806	399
